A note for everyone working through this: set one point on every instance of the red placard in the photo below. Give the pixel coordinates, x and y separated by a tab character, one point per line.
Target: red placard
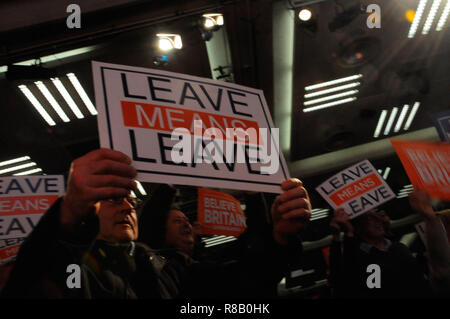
220	213
427	166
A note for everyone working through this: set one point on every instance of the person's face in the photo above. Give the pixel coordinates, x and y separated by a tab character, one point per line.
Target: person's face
179	232
118	220
373	225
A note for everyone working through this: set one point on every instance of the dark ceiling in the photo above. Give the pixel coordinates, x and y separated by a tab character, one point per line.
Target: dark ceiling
396	71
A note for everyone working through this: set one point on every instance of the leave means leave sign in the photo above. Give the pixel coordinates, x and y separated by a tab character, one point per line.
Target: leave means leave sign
357	189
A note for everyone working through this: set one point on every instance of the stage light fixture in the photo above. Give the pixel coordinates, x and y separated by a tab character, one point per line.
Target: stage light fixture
212	21
168	41
305	15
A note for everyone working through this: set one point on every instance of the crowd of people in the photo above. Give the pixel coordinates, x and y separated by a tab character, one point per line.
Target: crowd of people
126	249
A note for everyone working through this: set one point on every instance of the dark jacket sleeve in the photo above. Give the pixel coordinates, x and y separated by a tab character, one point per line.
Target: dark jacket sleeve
40	269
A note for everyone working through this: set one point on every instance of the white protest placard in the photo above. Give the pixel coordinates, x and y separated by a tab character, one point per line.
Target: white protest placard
357	189
23	201
182	129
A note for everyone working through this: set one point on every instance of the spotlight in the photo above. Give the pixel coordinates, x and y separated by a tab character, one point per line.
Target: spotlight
169	41
212	21
307	20
305	15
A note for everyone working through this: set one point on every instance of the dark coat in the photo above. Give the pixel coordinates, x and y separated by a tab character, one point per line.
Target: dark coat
132	270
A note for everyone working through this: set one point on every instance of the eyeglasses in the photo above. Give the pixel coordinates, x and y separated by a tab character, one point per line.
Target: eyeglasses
135	202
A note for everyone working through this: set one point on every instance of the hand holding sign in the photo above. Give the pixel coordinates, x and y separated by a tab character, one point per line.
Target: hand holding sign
291	210
98	175
341	221
420	203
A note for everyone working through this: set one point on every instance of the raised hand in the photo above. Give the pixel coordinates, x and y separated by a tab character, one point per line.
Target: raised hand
98	175
291	210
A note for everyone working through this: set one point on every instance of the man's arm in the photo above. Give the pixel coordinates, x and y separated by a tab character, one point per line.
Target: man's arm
69	225
437	243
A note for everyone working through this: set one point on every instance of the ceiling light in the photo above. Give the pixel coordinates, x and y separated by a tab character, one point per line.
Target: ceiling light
380	123
386	173
335	89
402	116
29	172
387	129
329	83
37	105
53	57
62	90
331	97
443	17
305	14
214	239
41	86
411	115
212	20
16	168
431	16
169	41
327	105
140	188
74	80
417	18
15	160
225	240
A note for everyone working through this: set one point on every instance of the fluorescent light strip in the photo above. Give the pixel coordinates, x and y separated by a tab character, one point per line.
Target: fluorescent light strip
417	18
16	168
387	129
58	56
411	115
62	90
405	191
74	80
380	123
15	160
431	16
319	211
319	217
444	17
29	172
214	239
402	116
329	83
141	188
222	242
41	86
331	97
37	105
52	57
335	89
324	106
386	173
